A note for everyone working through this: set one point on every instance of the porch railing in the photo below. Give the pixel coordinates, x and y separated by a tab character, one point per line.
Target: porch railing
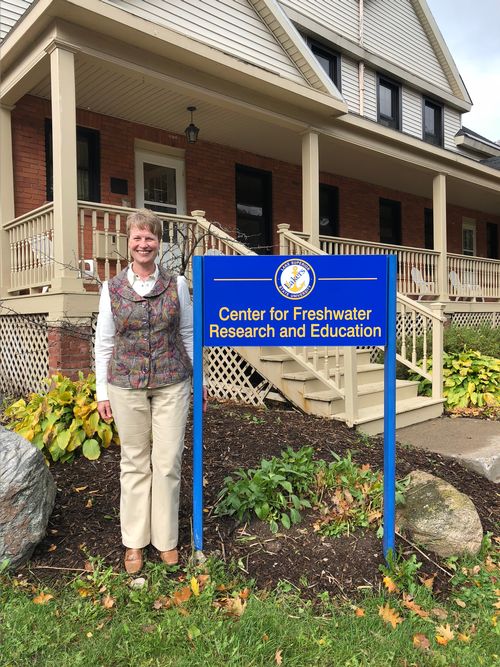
416	322
30	239
471	278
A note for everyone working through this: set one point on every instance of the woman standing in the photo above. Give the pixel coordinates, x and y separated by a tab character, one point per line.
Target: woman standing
143	359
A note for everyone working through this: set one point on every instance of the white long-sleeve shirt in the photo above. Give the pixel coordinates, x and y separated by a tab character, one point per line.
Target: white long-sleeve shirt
105	331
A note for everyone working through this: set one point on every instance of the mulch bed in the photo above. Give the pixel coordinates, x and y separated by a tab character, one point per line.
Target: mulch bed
85	518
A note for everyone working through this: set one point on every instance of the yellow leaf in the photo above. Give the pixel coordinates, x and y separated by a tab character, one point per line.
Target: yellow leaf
428	582
79	488
389	615
89	503
444	634
460	603
89	635
463	638
43	598
278	658
84	592
195	586
421	642
390	585
359	612
244	593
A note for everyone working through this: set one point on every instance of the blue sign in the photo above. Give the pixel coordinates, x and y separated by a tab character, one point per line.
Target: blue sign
295	300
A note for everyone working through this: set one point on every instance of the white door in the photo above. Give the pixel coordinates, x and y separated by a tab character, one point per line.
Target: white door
468	237
160	186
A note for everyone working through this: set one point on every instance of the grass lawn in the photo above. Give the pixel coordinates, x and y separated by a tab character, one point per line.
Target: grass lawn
209	616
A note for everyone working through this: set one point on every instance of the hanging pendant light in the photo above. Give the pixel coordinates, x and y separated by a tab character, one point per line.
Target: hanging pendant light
191	130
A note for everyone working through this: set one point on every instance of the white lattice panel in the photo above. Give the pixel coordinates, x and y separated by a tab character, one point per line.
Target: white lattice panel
24	359
230	377
475	319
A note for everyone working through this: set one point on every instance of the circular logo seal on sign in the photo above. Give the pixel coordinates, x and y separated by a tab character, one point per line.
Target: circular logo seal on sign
295	278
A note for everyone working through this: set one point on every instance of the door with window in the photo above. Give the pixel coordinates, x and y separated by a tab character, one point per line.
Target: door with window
254	208
160	186
468	237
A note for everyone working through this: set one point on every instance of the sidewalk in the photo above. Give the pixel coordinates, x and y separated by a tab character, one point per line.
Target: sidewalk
474	442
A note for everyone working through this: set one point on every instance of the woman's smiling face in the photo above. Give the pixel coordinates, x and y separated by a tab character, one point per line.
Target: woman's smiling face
144	247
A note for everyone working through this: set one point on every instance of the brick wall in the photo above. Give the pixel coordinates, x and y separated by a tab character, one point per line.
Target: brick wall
210	180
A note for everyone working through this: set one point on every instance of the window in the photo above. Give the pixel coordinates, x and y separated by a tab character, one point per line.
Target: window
468	237
390	221
329	60
428	229
328	210
433	123
491	240
389	103
87	163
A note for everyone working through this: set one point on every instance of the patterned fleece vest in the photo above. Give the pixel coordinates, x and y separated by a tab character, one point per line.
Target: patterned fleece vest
148	351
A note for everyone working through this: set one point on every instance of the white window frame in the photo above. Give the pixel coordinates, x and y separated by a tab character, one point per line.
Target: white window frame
469	224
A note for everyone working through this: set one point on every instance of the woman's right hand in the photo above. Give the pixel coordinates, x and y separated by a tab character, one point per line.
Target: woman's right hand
104	409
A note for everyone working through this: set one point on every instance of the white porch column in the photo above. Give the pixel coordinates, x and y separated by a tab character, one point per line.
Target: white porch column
65	240
6	195
310	186
440	241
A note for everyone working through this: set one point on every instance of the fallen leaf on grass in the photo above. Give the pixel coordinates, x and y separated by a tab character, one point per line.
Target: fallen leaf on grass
460	603
428	582
439	613
195	586
278	658
43	598
409	603
193	632
265	638
148	628
182	595
444	634
359	612
421	642
108	602
389	615
390	585
83	592
463	638
232	606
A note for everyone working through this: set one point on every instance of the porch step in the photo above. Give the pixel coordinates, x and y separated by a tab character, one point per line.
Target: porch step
408	412
369	395
367	373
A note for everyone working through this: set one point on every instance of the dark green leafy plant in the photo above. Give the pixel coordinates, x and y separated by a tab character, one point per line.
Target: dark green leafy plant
63	421
275	492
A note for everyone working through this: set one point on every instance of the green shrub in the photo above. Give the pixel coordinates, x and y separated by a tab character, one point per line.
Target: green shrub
470	379
63	421
483	339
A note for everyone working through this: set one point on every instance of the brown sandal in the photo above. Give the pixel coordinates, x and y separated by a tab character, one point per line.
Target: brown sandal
170	557
133	561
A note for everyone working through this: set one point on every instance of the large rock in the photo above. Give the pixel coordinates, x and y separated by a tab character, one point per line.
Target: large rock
439	517
27	495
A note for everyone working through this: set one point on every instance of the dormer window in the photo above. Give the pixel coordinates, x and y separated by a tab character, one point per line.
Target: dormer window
328	59
389	103
432	123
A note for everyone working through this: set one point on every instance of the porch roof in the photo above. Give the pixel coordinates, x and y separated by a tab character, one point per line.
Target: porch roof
124	72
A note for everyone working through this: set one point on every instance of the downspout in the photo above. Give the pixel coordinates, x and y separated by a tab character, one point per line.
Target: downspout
361	65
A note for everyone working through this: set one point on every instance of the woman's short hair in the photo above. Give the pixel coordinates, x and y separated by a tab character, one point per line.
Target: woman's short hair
143	218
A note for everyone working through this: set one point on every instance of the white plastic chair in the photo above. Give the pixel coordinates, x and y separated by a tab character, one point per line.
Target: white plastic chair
466	289
422	286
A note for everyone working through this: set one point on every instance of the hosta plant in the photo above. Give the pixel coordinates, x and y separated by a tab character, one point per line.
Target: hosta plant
62	421
470	379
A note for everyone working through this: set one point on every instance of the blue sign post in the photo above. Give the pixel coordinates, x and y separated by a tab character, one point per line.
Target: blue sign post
298	301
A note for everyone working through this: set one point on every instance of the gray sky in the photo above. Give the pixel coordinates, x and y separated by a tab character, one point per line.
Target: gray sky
471	29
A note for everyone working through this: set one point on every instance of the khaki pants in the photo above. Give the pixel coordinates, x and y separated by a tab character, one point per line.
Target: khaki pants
151	424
